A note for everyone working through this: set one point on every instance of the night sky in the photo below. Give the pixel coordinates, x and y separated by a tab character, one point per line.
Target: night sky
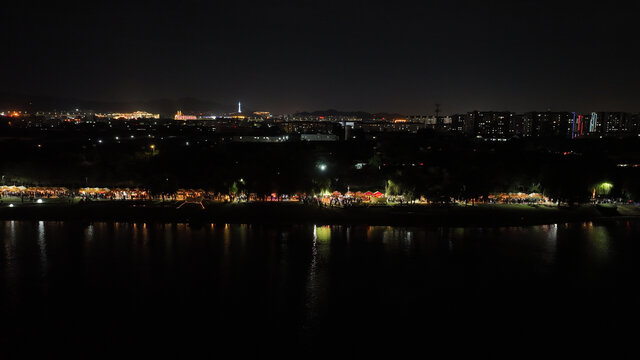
286	56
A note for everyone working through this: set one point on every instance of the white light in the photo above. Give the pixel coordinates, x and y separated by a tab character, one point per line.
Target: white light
117	138
10	205
99	141
323	167
39	201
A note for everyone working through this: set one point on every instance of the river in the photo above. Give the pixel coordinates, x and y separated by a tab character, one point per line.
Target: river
91	290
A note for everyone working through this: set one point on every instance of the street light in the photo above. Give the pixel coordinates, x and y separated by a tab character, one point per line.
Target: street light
322	167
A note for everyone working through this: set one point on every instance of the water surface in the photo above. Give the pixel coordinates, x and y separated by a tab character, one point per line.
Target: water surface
175	290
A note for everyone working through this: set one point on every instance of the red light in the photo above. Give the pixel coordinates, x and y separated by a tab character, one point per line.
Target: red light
421	164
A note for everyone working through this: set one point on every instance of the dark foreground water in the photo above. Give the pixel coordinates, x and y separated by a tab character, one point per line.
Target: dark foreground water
175	290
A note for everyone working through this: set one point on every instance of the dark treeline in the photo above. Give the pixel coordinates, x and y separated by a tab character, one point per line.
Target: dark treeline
414	165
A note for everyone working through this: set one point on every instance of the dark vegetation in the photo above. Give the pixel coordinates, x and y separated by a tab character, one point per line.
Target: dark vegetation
423	164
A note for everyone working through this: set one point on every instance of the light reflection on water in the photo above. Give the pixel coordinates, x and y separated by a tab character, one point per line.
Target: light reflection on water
316	281
301	273
42	245
599	244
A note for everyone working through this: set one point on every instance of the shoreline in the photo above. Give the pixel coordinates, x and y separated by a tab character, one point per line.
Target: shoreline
483	215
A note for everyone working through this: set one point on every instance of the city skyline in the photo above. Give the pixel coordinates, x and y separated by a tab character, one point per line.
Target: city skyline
166	106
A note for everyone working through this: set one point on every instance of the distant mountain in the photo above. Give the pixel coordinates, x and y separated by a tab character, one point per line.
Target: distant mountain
31	103
359	114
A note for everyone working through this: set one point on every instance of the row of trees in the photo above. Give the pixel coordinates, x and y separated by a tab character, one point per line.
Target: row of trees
411	166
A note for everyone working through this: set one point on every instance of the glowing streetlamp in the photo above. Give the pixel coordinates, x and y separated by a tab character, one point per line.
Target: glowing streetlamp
322	167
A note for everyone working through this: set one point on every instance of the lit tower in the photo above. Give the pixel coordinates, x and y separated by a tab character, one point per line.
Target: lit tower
239	107
593	122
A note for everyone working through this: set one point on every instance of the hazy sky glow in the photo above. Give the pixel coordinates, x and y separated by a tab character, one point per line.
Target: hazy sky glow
350	55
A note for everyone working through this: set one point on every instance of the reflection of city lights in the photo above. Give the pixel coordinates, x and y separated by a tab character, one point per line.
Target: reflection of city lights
323	234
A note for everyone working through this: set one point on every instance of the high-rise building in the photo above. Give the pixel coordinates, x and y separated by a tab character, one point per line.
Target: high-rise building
593	122
519	127
457	123
488	124
549	124
615	122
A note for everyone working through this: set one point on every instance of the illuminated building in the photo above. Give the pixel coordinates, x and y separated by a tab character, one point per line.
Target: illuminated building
13	113
180	116
318	137
593	122
133	115
263	114
457	123
615	122
577	127
488	124
261	139
548	124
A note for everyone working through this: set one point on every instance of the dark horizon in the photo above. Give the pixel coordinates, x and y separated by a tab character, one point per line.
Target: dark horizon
289	57
22	102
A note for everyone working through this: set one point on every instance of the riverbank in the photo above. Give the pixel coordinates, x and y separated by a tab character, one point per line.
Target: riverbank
296	213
